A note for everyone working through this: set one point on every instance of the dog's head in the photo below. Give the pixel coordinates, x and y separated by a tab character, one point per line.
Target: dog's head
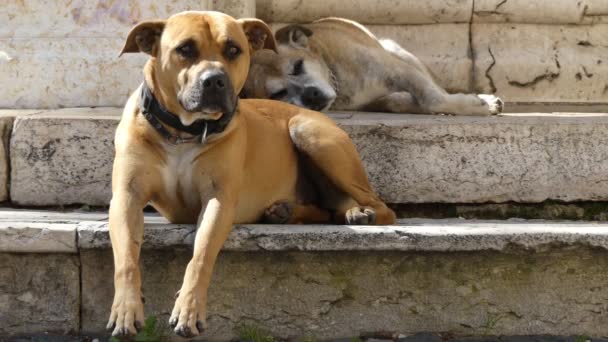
295	75
199	60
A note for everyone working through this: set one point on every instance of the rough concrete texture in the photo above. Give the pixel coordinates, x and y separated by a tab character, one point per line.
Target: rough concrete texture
63	157
68	72
83	18
367	12
337	294
75	46
437	235
235	8
6	124
541	62
408	235
38	293
30	237
541	11
517	158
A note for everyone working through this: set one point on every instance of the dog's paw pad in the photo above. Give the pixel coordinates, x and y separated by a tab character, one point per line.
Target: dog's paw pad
278	213
360	216
494	104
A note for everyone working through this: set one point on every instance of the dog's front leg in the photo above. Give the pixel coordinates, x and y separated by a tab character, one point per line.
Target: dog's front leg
126	234
214	225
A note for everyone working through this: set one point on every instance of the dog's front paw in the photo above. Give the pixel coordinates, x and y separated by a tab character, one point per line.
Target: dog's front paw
188	317
127	314
493	103
360	216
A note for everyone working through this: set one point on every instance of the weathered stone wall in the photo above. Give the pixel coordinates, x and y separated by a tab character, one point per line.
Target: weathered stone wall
69	57
65	157
39	293
466	277
540	51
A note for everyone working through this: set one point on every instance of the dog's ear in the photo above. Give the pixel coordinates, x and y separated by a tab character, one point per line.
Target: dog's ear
259	34
294	35
144	37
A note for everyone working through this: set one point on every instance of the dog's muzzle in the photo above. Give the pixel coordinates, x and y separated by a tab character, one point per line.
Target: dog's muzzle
211	93
314	98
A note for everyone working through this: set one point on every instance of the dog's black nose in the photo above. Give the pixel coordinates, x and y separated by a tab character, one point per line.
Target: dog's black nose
214	80
313	98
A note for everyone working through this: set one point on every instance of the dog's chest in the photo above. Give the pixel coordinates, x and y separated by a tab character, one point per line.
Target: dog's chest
181	178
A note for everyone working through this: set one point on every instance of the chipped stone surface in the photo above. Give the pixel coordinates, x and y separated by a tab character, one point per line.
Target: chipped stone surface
32	237
63	157
42	231
447	235
236	8
541	11
367	12
541	63
336	294
39	293
6	124
67	72
83	18
521	158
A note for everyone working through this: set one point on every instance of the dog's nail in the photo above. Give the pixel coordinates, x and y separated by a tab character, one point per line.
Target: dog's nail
138	325
173	322
199	326
143	299
176	294
183	331
111	326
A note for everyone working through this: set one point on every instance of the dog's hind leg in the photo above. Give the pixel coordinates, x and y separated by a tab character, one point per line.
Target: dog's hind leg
434	99
335	155
284	212
399	102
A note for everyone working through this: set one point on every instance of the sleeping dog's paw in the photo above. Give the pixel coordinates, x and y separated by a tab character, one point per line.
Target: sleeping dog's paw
493	103
360	216
278	213
188	317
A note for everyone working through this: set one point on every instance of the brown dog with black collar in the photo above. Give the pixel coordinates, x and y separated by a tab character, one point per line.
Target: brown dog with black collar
187	146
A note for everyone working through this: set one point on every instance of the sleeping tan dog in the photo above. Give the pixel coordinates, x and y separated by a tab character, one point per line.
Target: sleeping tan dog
188	146
339	64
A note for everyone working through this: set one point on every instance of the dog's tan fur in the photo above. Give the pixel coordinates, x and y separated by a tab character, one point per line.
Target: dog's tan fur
241	175
354	70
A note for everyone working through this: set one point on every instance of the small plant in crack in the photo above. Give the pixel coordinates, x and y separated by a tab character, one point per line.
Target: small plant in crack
490	324
252	333
150	332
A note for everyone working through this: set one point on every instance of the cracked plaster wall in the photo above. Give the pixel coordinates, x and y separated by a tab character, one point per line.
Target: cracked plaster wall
70	58
337	294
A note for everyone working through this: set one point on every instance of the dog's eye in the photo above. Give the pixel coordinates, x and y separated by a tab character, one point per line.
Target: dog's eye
298	68
187	50
232	51
278	94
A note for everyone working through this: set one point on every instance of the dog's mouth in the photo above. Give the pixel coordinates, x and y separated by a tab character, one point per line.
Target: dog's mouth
207	112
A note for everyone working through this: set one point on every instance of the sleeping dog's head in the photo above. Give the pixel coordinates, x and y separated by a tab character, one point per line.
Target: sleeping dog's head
199	60
295	75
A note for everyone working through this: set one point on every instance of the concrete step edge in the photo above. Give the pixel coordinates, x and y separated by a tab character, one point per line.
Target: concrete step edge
27	231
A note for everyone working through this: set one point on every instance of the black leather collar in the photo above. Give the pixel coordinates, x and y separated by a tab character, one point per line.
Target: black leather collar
200	130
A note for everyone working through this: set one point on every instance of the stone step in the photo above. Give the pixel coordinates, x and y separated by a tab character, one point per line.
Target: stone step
465	277
63	157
